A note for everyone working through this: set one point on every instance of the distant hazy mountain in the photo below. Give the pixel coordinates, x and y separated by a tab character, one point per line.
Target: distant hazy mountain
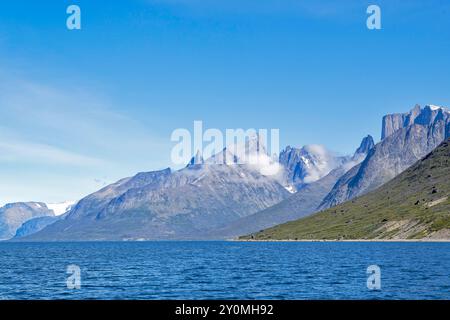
413	205
34	225
406	137
13	215
37	224
183	204
300	204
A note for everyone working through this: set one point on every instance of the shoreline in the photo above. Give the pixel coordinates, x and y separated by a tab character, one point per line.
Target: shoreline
230	240
346	240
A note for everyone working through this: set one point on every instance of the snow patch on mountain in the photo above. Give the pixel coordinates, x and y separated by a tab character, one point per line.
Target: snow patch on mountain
60	207
308	164
435	107
252	153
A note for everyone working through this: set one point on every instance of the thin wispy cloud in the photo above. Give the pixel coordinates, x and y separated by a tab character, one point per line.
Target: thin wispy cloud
24	152
75	131
74	120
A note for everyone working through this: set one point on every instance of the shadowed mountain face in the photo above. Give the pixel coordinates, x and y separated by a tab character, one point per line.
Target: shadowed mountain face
13	215
366	144
34	225
406	138
184	204
300	204
415	204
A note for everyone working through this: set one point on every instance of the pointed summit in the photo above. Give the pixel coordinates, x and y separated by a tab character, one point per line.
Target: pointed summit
367	143
196	160
255	144
241	151
308	164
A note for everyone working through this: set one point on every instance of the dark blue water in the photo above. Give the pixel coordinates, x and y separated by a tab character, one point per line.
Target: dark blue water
224	270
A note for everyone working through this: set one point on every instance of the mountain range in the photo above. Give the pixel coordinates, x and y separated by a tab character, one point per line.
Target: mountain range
413	205
167	204
301	203
225	195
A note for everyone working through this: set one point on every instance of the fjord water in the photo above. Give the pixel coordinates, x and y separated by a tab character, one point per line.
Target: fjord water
225	270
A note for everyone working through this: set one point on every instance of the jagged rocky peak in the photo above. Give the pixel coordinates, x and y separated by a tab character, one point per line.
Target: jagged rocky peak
196	160
308	164
255	144
360	154
242	152
367	143
422	116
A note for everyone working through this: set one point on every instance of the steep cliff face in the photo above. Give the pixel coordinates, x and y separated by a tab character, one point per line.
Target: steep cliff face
393	122
406	138
428	115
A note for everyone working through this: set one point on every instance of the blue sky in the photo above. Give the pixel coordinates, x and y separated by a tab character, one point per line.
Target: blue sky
79	109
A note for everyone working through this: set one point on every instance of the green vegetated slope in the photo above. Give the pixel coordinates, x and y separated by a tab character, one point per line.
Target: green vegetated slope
413	205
